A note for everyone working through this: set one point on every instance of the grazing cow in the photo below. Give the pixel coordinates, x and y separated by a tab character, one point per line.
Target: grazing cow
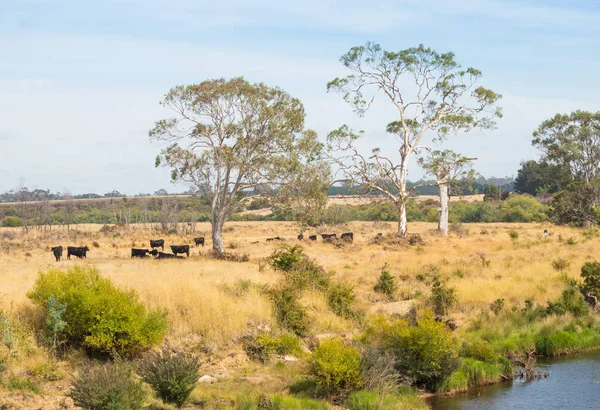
57	251
181	249
199	241
300	237
139	253
162	255
157	243
313	237
80	252
153	252
276	238
545	235
328	237
348	237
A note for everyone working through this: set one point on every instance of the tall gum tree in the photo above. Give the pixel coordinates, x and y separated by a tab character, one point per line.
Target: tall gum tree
230	137
449	169
432	95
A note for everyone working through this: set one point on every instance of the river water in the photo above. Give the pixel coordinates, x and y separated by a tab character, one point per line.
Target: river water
574	383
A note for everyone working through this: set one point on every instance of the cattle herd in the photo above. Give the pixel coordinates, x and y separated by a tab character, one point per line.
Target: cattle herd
81	252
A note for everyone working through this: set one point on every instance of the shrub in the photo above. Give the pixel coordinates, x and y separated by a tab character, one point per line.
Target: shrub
378	370
262	346
590	272
99	317
11	222
173	375
386	283
497	306
514	235
299	271
570	301
340	298
289	312
336	366
107	387
492	193
480	350
560	264
426	352
442	298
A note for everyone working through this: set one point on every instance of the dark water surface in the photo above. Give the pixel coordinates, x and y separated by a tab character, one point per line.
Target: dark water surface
574	383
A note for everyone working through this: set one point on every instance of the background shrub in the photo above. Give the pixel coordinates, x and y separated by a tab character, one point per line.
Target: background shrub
341	298
425	352
570	301
299	271
590	272
289	312
107	387
11	222
386	283
336	367
172	375
98	316
442	298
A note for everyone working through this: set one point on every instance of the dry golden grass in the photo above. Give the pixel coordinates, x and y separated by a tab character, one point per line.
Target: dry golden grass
207	304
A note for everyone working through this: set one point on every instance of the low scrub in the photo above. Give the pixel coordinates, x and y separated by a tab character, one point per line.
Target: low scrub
107	387
172	375
386	283
290	314
341	298
425	352
336	367
98	316
262	346
299	270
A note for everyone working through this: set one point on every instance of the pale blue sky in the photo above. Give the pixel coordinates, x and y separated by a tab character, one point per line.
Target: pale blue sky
80	81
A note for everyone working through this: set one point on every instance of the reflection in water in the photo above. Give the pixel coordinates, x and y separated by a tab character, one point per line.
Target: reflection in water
574	383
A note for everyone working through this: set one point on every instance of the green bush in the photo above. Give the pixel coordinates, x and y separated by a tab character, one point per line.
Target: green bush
299	271
98	316
426	352
262	346
442	298
523	208
336	367
340	298
570	301
480	350
11	222
590	272
290	314
107	387
386	283
173	375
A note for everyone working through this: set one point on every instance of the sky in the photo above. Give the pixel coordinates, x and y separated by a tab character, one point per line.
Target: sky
81	81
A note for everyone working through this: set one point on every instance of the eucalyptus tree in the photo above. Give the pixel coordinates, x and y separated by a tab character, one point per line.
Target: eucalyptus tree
432	96
231	137
449	169
572	142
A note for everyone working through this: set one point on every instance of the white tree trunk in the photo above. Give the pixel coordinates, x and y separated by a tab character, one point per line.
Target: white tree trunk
443	222
217	222
402	222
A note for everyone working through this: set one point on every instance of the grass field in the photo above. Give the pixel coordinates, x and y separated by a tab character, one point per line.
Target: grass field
212	303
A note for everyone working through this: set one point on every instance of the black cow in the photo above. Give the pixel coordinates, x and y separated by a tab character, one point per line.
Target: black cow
313	237
57	251
328	237
80	252
276	238
162	255
348	237
300	237
139	253
199	241
181	249
157	243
